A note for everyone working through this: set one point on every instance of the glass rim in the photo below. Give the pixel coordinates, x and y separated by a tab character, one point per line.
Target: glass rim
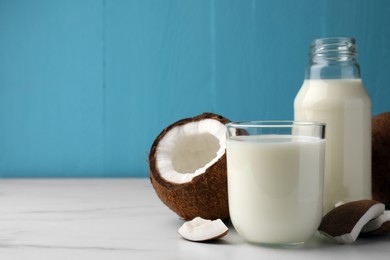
333	46
273	124
334	39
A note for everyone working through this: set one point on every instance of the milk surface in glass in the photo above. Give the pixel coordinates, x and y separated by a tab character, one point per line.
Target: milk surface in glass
275	185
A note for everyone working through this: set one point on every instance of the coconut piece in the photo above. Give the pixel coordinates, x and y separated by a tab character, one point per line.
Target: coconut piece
384	229
381	158
378	225
345	222
200	229
187	163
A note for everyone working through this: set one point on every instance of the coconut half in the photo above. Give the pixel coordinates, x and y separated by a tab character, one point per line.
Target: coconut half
381	158
187	165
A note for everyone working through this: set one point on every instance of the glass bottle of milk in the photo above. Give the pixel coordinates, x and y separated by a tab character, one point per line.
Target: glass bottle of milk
333	93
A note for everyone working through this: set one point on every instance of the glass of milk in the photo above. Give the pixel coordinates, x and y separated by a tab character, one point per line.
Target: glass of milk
275	180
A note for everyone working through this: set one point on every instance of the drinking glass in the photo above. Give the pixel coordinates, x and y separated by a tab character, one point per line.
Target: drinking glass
275	175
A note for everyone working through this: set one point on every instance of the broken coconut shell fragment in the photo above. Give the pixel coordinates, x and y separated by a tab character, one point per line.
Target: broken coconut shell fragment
200	229
378	226
344	223
187	163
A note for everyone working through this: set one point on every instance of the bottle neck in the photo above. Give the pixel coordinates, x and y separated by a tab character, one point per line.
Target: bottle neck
333	58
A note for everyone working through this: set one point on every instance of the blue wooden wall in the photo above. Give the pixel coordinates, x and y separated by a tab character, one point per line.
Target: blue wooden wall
86	85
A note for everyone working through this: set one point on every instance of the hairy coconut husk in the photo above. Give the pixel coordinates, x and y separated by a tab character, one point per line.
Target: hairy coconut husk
381	158
205	195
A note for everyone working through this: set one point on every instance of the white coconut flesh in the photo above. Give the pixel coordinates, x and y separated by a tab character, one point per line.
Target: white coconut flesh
200	229
189	150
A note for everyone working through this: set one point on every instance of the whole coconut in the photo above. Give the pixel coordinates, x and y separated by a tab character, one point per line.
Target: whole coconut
381	158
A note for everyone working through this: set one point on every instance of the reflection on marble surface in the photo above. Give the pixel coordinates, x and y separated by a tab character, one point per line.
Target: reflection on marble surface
122	218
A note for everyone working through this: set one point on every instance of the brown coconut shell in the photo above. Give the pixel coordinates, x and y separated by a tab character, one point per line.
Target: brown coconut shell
342	219
345	222
381	158
205	195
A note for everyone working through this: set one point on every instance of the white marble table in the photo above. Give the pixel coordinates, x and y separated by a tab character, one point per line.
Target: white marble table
124	219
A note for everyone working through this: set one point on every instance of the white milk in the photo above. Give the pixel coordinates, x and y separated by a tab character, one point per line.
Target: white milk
275	186
346	109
